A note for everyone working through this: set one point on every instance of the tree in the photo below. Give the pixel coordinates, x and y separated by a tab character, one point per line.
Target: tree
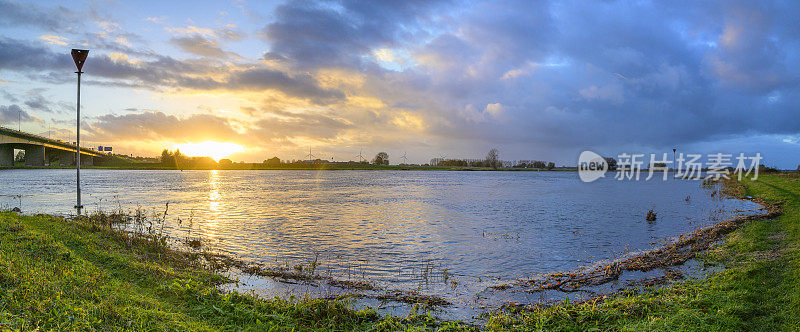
612	164
660	165
20	157
225	162
492	158
551	165
274	161
180	159
167	158
382	158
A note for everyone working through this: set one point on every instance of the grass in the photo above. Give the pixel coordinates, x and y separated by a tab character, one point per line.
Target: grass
57	274
60	274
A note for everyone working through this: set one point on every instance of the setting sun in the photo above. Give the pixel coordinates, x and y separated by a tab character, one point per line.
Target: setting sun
216	150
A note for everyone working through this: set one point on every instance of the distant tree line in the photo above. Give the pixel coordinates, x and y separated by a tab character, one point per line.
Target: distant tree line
460	163
492	160
536	164
178	160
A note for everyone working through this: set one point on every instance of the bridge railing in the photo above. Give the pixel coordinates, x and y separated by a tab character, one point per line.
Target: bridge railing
48	140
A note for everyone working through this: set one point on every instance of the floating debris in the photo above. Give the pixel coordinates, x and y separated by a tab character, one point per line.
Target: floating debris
651	215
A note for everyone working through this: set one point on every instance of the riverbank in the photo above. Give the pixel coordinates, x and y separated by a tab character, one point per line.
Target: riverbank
58	274
66	274
758	287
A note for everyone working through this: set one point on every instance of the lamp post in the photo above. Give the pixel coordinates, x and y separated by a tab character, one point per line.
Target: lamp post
79	56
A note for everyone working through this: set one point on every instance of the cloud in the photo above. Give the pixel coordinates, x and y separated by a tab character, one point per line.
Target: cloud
333	33
544	77
282	125
162	71
39	103
191	30
13	113
611	93
16	55
8	96
156	20
54	40
26	14
205	42
297	85
199	46
156	126
228	33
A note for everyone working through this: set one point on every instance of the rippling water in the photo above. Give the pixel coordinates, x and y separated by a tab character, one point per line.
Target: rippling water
394	228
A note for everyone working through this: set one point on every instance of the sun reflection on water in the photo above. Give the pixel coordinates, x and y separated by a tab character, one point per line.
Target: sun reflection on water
211	225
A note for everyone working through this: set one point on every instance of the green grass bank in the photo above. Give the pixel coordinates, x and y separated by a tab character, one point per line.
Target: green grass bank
58	274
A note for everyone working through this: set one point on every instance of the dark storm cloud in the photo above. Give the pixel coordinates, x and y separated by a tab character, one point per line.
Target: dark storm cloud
338	33
610	73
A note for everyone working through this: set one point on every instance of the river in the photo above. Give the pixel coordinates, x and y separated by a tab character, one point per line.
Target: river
395	229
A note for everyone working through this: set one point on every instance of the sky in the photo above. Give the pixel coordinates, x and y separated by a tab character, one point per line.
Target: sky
535	79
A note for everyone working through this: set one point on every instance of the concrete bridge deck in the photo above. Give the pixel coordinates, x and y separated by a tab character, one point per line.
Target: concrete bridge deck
40	151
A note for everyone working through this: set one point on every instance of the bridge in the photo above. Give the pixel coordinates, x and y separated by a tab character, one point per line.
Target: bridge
40	151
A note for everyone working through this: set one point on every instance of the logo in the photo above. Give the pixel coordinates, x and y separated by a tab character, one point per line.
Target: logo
591	166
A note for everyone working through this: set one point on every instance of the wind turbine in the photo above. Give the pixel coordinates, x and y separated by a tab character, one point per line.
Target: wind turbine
360	155
310	156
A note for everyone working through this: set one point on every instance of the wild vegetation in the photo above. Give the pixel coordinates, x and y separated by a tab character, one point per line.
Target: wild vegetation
58	274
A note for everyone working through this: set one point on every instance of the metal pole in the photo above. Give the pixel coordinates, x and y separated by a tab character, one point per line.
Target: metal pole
78	147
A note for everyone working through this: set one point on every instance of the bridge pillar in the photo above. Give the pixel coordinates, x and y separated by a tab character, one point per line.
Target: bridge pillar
66	158
34	155
6	155
87	160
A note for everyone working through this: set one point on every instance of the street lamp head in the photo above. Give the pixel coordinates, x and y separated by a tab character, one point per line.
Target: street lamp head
80	57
